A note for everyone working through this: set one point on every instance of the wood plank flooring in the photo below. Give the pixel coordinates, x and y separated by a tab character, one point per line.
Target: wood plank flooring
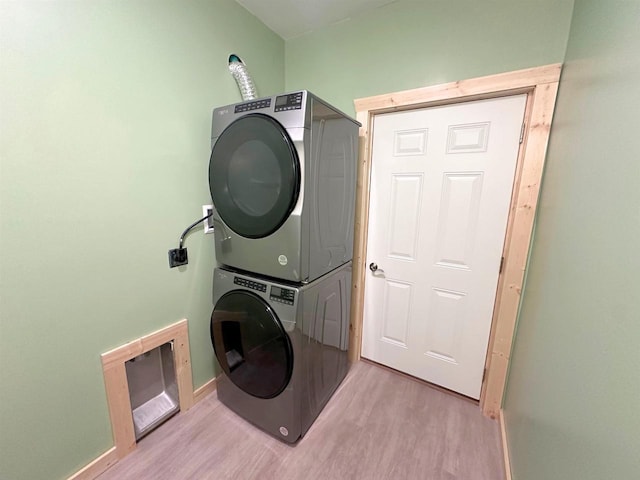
378	425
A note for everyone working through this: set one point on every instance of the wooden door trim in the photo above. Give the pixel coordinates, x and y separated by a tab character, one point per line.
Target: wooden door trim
541	86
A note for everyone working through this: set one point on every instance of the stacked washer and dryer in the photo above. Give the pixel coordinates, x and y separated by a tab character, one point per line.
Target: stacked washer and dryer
282	177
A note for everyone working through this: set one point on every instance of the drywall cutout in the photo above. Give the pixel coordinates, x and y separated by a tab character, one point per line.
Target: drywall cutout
153	389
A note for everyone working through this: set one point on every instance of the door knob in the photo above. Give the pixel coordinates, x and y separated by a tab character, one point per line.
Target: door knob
374	267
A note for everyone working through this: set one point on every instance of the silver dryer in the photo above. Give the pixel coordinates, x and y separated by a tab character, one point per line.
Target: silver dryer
282	177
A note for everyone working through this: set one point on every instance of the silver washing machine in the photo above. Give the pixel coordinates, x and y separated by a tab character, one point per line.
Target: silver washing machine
282	176
282	347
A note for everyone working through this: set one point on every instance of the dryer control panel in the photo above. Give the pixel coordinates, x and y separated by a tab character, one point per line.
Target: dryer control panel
282	295
292	101
261	287
246	107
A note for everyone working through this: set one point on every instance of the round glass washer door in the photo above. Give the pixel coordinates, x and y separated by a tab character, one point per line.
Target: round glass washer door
251	344
254	175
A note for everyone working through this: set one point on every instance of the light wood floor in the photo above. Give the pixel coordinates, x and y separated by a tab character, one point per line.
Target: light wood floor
378	425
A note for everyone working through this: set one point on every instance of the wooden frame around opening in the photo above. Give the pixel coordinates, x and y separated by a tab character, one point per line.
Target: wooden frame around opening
541	86
115	380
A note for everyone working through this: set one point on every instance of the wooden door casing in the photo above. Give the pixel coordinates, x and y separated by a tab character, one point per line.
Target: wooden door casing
541	85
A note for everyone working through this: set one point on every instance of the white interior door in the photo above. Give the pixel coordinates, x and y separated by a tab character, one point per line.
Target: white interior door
441	183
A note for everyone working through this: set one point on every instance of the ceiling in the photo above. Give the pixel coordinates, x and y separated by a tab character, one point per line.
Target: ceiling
292	18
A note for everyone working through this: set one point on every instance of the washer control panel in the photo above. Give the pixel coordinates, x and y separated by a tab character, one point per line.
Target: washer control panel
243	282
292	101
247	107
282	295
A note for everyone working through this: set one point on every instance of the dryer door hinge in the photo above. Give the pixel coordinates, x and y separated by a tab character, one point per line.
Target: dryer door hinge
522	132
501	265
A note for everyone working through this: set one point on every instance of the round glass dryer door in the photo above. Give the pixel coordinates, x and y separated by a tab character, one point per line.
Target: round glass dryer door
254	175
251	344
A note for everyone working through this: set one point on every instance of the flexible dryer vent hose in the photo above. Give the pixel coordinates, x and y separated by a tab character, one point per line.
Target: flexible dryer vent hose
239	71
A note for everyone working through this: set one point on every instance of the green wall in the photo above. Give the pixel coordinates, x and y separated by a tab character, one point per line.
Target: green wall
104	124
105	137
572	406
413	43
